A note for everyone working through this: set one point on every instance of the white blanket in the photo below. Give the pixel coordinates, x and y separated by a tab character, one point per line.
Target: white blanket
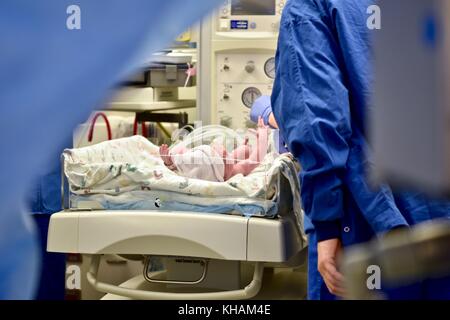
134	163
201	162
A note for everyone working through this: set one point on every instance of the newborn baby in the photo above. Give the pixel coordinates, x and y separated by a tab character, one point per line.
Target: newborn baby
213	162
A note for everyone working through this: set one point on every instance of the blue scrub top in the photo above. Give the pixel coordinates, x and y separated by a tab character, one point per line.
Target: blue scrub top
320	101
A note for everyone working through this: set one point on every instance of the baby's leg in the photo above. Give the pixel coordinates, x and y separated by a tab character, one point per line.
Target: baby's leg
262	140
246	166
178	149
227	162
243	167
241	152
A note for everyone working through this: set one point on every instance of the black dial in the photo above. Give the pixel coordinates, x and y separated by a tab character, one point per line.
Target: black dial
269	68
250	95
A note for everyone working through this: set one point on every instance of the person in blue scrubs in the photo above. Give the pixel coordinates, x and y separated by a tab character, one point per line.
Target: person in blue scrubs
320	102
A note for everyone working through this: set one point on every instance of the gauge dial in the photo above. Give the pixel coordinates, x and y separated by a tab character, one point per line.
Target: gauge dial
250	95
269	68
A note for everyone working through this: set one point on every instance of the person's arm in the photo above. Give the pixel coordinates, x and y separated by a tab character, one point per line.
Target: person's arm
376	204
311	105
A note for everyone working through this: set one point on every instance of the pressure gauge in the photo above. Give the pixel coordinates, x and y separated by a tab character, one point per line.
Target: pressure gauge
269	68
250	95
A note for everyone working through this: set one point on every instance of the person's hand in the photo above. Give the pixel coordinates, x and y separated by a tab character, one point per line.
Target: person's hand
327	252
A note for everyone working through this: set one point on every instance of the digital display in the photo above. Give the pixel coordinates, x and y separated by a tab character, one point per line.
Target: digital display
239	24
253	7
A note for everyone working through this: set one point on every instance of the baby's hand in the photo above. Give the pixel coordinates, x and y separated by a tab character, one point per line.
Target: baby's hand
164	152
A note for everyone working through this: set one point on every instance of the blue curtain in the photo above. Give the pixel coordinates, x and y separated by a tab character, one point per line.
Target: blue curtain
50	80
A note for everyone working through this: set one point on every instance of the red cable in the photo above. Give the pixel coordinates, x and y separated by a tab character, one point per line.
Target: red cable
143	128
94	120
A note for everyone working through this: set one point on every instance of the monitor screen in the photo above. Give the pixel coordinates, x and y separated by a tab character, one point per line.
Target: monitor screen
253	7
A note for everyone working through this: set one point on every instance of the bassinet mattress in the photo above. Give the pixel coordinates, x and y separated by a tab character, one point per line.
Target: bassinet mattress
171	201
